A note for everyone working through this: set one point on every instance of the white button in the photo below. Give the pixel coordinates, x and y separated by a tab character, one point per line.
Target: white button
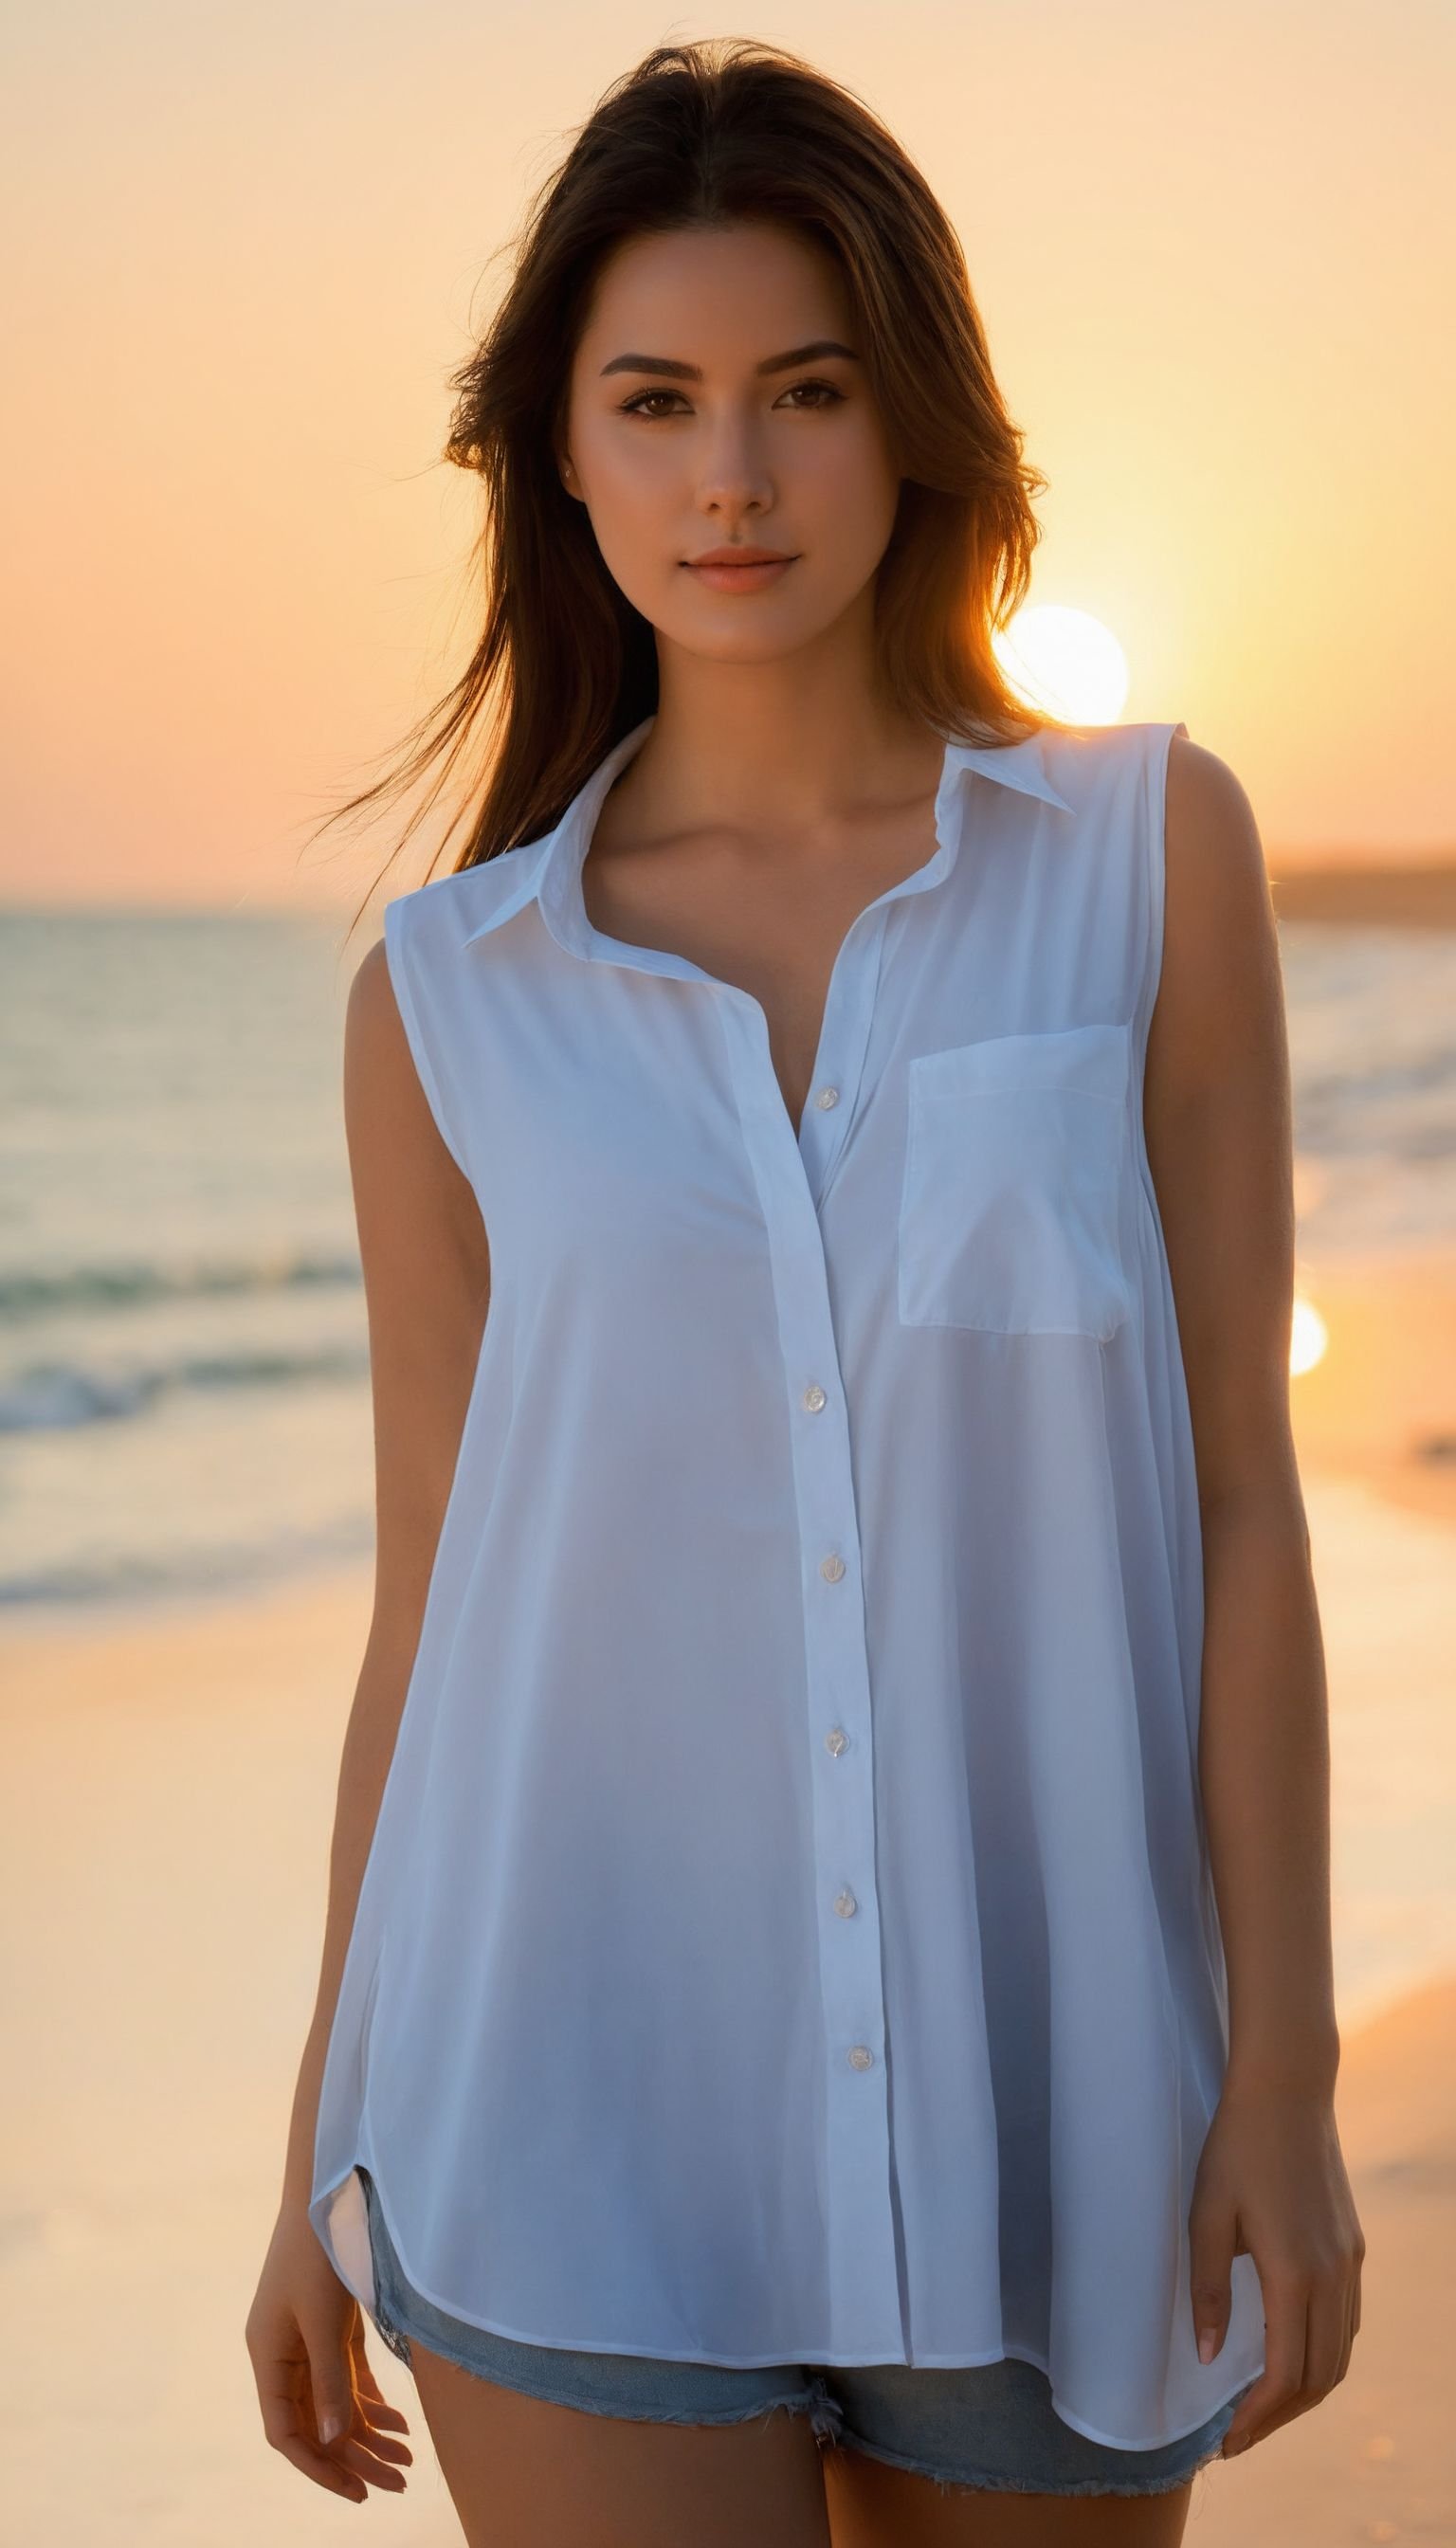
845	1905
861	2057
835	1740
827	1097
814	1397
831	1568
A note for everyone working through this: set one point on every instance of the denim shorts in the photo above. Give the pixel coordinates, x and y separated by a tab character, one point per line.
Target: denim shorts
991	2425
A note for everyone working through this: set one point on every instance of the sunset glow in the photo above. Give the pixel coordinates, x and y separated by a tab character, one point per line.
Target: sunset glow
1309	1336
1064	662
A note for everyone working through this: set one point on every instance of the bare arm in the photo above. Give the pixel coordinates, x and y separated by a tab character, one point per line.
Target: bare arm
1218	1116
427	1284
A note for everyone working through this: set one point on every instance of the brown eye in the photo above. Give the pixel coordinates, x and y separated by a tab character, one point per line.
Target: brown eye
638	405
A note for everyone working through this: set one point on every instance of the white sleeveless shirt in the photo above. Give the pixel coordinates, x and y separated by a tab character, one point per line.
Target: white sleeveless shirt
788	1933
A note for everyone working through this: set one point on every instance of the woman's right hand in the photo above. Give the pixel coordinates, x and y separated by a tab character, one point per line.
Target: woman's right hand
321	2404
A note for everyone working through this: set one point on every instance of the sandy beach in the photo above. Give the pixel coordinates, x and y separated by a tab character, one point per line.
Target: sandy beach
166	1820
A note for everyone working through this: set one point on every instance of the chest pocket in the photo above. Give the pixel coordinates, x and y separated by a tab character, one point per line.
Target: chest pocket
1015	1185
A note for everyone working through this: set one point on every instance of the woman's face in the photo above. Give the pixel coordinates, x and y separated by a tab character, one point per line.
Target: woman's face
680	441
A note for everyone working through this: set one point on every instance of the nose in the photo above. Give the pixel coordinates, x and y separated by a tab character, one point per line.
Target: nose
734	478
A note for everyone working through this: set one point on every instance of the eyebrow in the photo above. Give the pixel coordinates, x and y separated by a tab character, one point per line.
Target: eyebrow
670	371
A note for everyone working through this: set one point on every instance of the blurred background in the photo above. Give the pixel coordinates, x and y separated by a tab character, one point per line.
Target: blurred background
1213	250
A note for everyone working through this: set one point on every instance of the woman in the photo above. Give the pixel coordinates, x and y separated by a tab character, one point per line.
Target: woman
840	1924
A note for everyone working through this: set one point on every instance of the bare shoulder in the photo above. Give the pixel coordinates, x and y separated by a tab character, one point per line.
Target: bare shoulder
1219	992
425	1264
377	1066
1214	852
392	1137
371	1001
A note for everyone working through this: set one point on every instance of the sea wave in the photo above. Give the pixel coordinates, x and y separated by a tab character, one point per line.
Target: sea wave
59	1396
28	1292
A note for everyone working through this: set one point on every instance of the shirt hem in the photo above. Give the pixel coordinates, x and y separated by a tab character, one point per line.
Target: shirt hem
771	2362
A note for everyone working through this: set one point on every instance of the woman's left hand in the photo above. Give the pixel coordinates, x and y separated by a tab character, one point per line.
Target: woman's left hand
1271	2183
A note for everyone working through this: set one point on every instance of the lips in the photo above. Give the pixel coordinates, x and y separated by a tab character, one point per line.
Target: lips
739	570
740	557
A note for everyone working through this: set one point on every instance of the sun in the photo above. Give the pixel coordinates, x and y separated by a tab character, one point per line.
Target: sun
1064	662
1308	1338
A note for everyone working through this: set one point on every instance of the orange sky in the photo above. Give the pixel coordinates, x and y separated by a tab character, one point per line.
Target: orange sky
1207	242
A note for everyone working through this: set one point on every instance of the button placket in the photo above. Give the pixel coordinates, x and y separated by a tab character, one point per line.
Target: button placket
843	1035
864	2279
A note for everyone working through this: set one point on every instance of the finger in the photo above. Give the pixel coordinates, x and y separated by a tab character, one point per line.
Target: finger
382	2420
363	2458
357	2449
1210	2276
387	2420
1327	2348
331	2384
318	2465
363	2454
1346	2329
284	2430
1286	2327
367	2389
378	2446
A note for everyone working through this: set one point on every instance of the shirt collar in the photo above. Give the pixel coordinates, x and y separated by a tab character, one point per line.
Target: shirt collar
547	870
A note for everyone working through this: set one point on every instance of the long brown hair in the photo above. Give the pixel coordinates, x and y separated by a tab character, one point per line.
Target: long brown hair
701	134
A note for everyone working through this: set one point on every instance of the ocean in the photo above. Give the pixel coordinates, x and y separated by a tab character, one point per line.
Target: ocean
184	1389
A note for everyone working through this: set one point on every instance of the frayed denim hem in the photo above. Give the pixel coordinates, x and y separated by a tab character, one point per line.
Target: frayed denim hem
815	2403
825	2413
826	2418
392	2335
999	2483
